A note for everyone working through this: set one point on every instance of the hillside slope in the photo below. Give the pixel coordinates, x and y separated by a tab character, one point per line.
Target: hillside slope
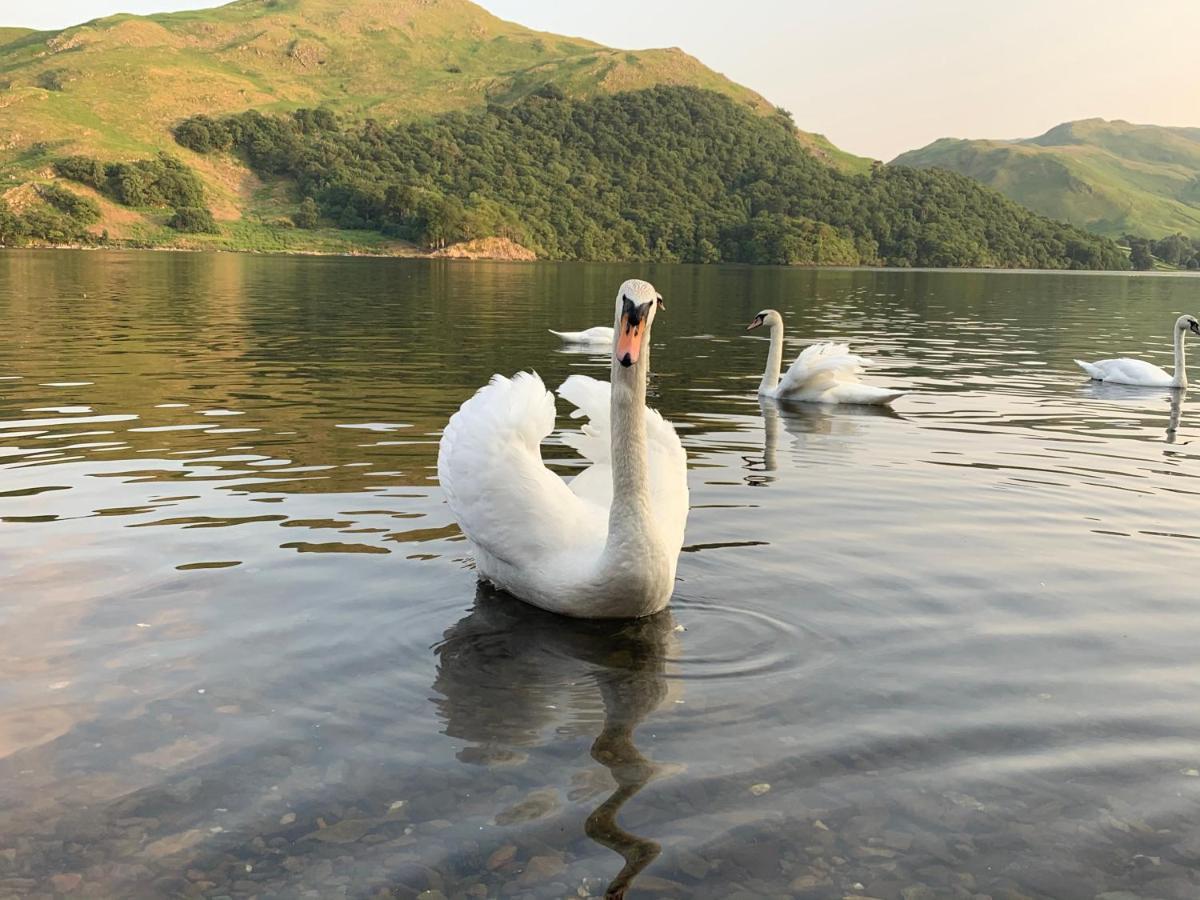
117	84
1109	177
114	87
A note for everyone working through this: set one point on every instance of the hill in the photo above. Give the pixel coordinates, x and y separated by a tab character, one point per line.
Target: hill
114	87
91	112
666	174
1112	178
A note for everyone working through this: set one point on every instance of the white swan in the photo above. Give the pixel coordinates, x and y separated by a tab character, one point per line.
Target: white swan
1140	372
822	373
605	545
597	335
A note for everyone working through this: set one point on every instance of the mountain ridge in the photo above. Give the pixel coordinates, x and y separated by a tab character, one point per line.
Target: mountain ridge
397	60
1110	176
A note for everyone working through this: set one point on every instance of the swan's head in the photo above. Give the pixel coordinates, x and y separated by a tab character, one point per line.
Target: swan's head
1187	323
766	317
637	302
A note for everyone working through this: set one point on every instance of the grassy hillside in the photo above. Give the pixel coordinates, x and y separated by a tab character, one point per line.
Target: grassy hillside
113	88
1108	177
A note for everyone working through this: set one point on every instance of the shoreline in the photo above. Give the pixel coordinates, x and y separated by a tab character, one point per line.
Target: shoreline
442	256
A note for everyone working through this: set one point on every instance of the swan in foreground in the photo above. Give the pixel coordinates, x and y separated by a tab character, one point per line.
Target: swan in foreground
605	545
598	335
822	373
1140	372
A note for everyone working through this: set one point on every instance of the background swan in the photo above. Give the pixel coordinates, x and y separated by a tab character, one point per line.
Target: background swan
1139	372
822	373
607	544
597	335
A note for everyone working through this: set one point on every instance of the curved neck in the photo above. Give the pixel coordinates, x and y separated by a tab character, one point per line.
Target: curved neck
770	377
1180	360
629	514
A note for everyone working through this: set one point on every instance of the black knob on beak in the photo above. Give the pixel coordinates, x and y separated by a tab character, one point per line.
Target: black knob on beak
626	360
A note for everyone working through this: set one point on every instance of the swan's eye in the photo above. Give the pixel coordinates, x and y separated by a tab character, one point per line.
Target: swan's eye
661	305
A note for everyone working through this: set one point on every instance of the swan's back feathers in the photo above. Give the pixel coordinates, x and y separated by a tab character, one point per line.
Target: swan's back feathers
597	334
1127	371
490	466
819	366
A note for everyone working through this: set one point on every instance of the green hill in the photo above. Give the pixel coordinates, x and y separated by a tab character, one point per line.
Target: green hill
1109	177
667	174
114	87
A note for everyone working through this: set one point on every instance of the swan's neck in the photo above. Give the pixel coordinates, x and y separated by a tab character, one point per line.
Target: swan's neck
1180	359
629	523
770	379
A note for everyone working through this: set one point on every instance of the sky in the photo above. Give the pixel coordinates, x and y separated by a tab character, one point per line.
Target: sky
878	76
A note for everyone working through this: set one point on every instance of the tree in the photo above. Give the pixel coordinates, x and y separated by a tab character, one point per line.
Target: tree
1140	256
195	219
308	215
12	229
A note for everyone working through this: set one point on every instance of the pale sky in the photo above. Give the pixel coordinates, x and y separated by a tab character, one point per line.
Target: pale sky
879	76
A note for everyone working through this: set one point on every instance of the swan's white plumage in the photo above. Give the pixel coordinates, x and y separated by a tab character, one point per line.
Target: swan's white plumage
597	335
508	504
667	459
1127	371
825	372
1137	372
604	545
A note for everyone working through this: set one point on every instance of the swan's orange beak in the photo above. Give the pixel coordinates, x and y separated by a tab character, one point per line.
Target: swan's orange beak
629	339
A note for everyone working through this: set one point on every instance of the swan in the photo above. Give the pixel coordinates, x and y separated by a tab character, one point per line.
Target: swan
822	373
597	335
605	545
1140	372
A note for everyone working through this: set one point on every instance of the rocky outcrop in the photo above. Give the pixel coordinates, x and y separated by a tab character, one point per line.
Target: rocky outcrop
487	248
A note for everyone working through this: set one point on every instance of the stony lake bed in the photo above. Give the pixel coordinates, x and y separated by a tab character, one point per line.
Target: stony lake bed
944	651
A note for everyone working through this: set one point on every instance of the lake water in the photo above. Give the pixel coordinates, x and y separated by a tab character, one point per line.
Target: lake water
949	651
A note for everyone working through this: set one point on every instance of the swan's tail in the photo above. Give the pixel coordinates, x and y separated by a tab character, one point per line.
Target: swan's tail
1092	371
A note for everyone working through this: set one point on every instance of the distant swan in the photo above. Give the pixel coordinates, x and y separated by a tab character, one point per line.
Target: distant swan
599	334
605	545
1140	372
822	373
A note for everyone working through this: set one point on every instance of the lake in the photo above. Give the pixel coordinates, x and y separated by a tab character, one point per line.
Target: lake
949	651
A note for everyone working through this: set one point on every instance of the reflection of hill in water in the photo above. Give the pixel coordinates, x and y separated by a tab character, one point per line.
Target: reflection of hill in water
508	672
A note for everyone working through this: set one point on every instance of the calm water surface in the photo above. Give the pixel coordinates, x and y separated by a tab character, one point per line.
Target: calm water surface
945	652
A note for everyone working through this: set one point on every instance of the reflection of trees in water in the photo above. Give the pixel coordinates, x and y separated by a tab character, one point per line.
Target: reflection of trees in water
507	672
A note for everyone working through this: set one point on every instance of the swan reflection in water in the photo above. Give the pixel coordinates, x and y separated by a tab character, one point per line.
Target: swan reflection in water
801	420
1100	390
507	672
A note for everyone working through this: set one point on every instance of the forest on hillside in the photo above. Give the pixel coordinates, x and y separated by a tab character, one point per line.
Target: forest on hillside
663	174
1174	250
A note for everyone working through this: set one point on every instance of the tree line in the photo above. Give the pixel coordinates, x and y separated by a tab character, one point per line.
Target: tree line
1175	250
669	174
